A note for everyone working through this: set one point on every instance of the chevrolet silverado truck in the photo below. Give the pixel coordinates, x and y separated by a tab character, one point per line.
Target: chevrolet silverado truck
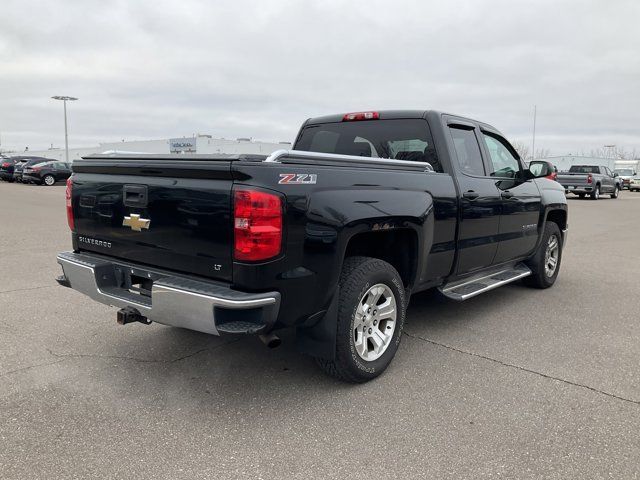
592	180
330	238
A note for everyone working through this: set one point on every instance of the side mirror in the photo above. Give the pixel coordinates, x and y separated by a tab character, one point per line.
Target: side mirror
539	169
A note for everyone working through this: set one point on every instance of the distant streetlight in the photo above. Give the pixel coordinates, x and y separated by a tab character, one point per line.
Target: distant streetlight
609	150
65	98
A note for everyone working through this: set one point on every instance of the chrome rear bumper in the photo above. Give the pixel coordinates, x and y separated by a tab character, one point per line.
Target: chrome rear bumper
176	300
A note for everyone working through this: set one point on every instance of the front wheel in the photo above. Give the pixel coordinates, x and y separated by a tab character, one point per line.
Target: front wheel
371	313
545	264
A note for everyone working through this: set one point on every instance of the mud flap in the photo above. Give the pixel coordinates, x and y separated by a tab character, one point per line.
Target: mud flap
319	338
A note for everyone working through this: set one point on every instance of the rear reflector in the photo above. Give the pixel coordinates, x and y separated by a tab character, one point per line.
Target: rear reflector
257	225
68	193
351	117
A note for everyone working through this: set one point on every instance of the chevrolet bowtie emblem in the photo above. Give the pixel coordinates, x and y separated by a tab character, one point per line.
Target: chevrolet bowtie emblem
136	223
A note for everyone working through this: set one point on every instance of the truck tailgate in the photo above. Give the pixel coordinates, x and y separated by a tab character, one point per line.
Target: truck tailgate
573	179
169	213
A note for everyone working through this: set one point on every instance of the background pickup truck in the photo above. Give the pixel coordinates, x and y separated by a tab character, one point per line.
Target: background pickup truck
624	176
330	238
590	180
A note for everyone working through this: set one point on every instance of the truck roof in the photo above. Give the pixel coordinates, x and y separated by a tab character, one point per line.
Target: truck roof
384	114
395	115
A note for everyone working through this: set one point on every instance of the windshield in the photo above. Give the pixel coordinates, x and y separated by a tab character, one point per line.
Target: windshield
404	139
584	169
624	171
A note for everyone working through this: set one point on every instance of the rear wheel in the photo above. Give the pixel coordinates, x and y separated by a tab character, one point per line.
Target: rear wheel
48	180
596	193
371	313
615	192
545	264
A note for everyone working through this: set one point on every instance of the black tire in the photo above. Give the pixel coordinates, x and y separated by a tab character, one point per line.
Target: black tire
596	193
539	277
615	192
581	195
358	275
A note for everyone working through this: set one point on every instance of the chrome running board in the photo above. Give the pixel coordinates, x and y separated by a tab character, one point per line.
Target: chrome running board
471	287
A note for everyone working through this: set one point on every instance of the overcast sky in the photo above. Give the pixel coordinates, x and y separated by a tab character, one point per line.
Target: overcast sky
159	68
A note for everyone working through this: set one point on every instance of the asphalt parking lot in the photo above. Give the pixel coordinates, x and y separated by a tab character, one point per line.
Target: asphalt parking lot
518	383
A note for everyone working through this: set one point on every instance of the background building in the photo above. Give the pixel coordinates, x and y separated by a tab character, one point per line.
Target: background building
198	144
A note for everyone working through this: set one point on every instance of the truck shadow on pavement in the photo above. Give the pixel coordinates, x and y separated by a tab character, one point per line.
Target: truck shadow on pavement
237	371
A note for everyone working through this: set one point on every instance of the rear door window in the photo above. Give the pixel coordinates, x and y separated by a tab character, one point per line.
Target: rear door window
467	150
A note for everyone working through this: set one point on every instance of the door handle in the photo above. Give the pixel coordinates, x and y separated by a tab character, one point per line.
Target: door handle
470	195
506	194
135	196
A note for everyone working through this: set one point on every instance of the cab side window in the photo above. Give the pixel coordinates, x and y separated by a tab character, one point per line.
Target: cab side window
467	150
504	164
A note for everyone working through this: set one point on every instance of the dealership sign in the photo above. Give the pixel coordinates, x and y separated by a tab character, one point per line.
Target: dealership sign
182	145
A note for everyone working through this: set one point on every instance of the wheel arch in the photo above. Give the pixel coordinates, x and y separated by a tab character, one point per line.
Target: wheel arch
559	217
398	247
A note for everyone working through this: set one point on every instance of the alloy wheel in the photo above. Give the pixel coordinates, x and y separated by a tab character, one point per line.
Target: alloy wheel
551	255
375	322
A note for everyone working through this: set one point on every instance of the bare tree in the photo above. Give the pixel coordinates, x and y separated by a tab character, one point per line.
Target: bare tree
522	149
615	152
543	153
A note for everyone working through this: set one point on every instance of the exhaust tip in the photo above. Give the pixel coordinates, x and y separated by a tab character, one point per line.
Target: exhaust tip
271	340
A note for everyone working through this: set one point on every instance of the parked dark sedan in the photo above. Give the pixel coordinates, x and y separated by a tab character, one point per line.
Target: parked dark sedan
46	173
6	168
25	161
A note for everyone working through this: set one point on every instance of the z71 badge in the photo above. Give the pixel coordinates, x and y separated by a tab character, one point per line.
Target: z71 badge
298	178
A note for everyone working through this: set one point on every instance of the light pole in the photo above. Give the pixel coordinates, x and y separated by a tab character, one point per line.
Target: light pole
609	151
64	98
533	144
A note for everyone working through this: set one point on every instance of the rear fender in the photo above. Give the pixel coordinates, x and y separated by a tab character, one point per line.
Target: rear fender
350	213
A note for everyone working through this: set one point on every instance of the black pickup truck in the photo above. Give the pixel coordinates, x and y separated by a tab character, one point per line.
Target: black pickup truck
330	238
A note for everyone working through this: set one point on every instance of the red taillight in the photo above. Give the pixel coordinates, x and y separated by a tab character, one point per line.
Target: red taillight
257	225
35	169
6	164
69	204
590	179
350	117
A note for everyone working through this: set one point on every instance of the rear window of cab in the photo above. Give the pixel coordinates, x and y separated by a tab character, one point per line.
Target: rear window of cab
402	139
